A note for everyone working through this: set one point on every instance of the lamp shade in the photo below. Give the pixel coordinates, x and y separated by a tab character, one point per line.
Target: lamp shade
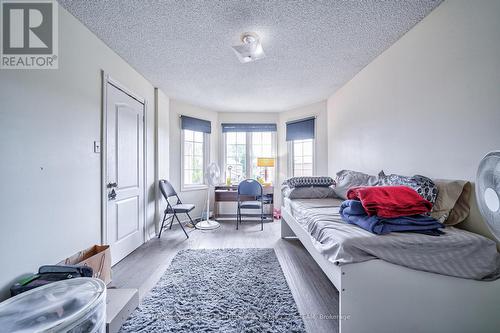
265	162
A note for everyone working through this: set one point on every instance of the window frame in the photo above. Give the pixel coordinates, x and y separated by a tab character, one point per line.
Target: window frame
291	158
206	157
248	154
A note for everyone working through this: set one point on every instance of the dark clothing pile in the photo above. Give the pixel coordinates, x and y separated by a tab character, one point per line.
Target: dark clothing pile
352	212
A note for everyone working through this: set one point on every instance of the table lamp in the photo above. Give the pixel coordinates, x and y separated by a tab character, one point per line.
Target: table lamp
265	162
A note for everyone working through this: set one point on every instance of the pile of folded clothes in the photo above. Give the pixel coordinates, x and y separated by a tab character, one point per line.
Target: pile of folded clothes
385	209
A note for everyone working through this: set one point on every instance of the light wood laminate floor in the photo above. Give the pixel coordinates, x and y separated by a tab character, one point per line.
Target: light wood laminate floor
316	297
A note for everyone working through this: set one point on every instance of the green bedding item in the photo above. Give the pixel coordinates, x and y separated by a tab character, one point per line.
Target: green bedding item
24	281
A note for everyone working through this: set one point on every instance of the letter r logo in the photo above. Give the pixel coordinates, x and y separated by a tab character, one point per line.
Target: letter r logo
27	27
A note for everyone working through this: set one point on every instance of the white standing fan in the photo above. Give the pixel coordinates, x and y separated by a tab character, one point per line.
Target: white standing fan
488	191
212	175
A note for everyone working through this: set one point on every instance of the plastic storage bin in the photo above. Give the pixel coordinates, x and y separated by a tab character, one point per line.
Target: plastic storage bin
74	305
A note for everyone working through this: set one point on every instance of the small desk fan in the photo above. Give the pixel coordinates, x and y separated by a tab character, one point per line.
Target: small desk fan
212	175
488	191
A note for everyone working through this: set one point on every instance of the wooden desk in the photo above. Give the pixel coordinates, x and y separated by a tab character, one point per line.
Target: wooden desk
224	193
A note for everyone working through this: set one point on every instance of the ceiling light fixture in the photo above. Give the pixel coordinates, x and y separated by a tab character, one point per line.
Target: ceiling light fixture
251	49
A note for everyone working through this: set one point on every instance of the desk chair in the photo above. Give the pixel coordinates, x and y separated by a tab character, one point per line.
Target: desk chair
179	208
250	187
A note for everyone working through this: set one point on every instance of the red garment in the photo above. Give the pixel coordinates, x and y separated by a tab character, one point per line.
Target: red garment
389	201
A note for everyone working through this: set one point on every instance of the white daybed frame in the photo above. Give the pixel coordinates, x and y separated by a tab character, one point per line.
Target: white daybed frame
377	296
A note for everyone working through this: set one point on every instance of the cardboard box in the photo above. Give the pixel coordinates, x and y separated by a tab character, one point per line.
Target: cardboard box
98	257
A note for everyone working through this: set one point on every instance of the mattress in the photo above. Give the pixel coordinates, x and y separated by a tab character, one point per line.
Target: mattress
457	253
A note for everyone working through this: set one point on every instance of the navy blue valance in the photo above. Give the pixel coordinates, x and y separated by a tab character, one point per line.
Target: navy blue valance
300	129
195	124
248	128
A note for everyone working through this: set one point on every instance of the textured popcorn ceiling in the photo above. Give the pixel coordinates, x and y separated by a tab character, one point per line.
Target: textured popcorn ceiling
312	47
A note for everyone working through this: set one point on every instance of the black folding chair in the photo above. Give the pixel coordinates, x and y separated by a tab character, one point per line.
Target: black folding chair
250	187
179	208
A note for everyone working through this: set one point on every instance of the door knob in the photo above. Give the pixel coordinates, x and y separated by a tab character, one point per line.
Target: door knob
111	185
112	195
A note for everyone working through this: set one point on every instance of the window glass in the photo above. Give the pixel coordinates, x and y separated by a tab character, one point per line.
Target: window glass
302	158
193	159
236	159
262	146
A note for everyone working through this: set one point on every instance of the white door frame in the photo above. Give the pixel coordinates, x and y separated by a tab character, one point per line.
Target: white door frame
106	78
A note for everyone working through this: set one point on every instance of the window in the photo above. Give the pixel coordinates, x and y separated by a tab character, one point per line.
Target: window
194	158
302	157
236	155
241	152
300	138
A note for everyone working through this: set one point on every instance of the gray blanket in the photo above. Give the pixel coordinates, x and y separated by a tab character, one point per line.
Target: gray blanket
457	253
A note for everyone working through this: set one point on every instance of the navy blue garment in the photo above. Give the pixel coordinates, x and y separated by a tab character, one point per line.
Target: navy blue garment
353	212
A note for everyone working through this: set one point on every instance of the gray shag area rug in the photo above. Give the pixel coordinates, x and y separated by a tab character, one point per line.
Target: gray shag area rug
222	290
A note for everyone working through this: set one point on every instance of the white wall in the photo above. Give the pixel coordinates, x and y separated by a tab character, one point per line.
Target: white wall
163	149
178	108
430	104
248	117
50	192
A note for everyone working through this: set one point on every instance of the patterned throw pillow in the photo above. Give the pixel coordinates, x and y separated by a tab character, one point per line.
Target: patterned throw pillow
423	185
309	181
309	192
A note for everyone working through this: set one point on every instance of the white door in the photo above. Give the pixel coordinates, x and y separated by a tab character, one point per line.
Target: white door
125	173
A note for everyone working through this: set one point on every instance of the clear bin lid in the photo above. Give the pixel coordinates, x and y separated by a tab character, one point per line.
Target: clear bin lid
51	306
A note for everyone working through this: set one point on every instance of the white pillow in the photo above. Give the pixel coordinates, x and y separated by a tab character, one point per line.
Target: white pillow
348	178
